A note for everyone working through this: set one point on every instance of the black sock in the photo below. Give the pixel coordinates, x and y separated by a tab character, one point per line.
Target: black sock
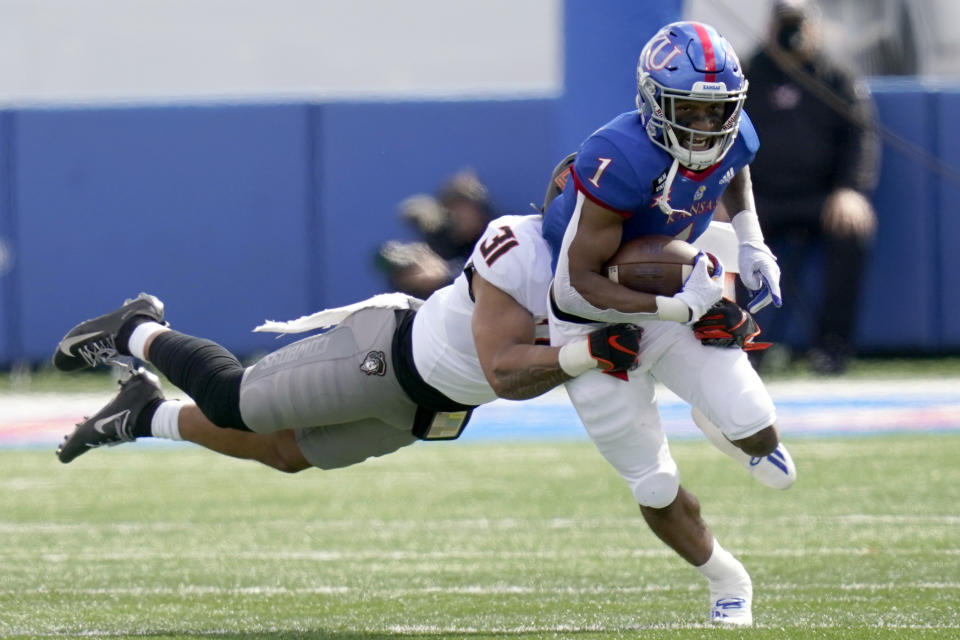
141	428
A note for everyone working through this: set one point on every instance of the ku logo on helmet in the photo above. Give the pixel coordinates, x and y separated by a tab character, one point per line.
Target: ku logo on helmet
654	58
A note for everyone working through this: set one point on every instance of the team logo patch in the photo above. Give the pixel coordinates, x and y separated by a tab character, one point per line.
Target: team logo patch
375	364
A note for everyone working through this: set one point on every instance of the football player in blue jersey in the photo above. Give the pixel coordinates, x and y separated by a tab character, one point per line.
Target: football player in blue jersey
664	169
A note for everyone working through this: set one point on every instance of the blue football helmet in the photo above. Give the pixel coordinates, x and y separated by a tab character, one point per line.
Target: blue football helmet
690	61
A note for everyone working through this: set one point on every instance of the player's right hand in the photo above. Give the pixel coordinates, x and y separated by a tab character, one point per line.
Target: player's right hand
612	348
616	347
701	290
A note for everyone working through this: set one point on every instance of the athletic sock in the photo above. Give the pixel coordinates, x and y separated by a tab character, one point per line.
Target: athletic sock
123	334
166	421
140	332
722	566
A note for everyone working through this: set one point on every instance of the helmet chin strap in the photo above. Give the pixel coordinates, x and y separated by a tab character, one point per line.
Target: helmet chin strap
664	201
696	160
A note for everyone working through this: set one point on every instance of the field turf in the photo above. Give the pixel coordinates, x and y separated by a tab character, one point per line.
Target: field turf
462	540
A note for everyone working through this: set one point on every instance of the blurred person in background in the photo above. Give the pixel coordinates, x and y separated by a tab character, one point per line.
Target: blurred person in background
812	179
449	225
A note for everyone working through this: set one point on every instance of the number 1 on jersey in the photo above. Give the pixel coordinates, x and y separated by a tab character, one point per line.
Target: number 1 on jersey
604	163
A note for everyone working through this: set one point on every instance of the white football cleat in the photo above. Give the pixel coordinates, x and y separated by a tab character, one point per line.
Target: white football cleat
730	603
776	470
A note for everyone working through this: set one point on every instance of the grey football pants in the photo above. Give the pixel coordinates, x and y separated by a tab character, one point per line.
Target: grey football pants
338	390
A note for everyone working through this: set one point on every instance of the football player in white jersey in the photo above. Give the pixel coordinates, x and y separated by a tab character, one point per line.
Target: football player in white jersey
392	369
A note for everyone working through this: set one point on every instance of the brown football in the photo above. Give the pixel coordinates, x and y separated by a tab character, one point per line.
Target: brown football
653	264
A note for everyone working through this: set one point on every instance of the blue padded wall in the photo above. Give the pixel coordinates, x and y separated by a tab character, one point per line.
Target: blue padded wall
948	222
9	317
375	155
235	213
900	280
203	206
602	42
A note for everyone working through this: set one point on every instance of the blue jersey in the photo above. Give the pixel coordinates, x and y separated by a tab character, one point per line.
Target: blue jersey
619	168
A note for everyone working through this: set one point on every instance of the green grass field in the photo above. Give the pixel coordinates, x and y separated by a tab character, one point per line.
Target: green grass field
448	540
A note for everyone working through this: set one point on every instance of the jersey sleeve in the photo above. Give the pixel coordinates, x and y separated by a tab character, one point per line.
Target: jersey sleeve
748	137
604	175
500	254
513	256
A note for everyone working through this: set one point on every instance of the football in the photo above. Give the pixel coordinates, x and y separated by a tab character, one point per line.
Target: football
658	265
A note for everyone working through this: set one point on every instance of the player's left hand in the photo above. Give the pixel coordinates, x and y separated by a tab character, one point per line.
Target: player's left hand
760	274
615	347
727	324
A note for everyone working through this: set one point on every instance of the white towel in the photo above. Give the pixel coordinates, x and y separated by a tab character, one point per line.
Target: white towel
330	317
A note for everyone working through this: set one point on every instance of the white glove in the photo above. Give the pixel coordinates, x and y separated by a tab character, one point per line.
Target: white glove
760	274
758	267
700	289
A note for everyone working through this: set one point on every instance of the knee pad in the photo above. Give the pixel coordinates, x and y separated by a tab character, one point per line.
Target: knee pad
657	490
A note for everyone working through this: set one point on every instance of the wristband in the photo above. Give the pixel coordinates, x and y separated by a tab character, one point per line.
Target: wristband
574	358
673	309
746	225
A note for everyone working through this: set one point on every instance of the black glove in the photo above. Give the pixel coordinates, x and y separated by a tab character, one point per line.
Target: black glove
616	347
727	324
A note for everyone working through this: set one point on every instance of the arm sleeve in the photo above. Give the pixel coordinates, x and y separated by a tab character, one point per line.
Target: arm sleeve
571	301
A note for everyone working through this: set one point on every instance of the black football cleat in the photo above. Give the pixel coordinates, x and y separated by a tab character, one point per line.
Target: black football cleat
95	341
113	424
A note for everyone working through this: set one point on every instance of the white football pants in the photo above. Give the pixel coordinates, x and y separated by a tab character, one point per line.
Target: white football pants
622	418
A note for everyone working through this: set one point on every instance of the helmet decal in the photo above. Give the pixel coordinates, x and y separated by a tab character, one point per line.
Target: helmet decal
653	56
706	46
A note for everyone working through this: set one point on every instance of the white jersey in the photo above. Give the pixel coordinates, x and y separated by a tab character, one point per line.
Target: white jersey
513	256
